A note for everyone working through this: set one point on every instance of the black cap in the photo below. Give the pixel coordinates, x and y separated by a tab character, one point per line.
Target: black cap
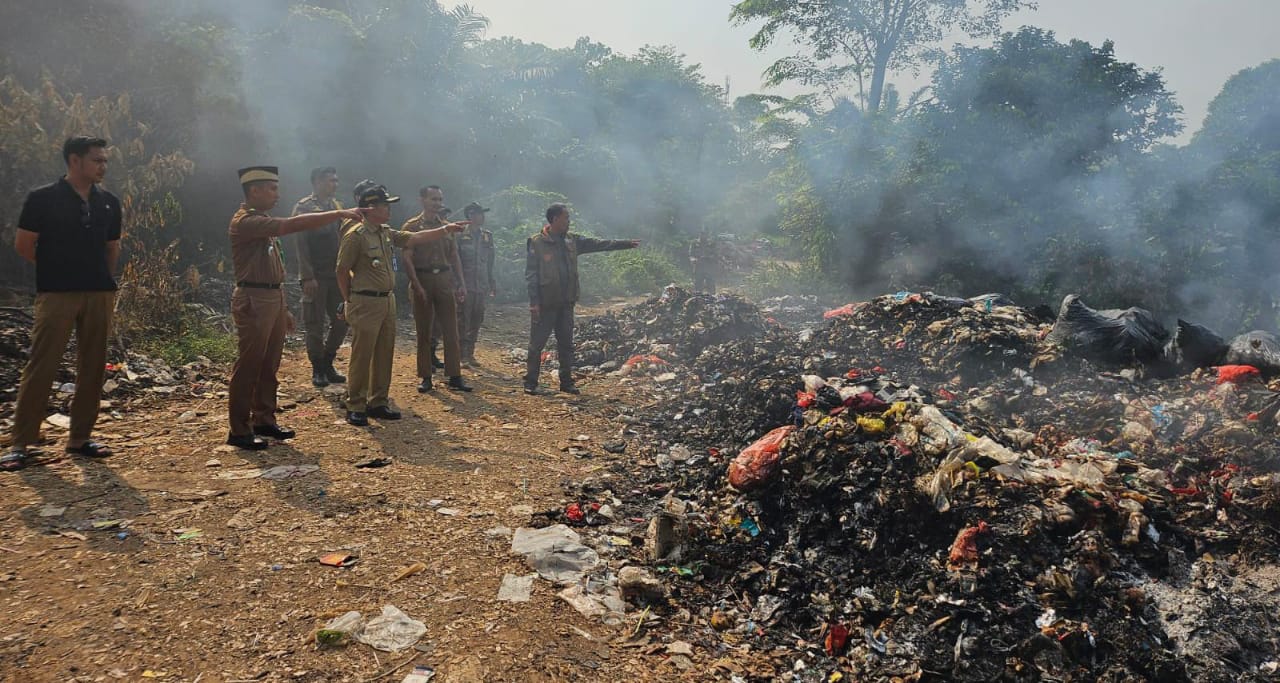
375	194
361	187
472	209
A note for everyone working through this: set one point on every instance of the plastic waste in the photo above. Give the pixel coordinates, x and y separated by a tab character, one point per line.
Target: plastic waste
1259	349
1111	336
1195	346
556	552
391	631
757	463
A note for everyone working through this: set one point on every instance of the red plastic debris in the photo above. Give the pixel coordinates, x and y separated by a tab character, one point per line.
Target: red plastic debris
946	395
805	399
1253	417
853	373
866	402
1237	373
757	463
574	513
964	550
643	358
713	452
837	639
1184	490
847	309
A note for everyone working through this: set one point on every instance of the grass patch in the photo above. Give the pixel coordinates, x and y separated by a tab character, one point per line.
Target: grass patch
199	338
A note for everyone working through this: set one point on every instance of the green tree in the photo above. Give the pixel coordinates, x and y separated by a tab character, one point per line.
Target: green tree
864	39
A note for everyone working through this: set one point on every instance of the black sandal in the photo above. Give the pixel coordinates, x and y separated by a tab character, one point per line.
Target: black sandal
14	461
90	449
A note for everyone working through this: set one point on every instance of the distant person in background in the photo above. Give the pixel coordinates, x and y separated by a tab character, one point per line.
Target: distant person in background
704	255
70	230
436	328
435	279
476	252
317	253
257	305
551	274
369	306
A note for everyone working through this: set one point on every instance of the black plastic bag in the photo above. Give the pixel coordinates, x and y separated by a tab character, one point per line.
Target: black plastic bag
1196	346
1111	336
1259	349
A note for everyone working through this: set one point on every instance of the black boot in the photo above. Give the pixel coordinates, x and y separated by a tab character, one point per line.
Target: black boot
319	378
425	385
456	384
332	375
436	362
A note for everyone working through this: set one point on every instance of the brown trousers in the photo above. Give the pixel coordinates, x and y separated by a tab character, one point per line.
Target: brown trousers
441	307
57	314
260	318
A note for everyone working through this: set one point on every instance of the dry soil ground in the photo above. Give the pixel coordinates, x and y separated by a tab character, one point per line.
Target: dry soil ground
213	578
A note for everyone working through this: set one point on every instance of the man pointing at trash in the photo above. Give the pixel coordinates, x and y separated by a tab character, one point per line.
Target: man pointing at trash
551	273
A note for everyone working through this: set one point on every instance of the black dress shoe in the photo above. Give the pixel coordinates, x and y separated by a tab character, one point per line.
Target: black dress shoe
248	442
319	380
570	389
436	362
333	376
384	413
456	384
533	391
274	431
357	419
425	385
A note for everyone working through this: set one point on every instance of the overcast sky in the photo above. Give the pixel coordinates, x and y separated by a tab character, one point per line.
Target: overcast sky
1199	43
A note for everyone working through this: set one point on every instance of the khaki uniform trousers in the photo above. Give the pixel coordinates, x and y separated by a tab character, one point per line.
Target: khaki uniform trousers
260	318
373	347
57	314
439	311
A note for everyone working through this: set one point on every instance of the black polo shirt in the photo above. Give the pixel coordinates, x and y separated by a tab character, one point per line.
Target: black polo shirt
71	250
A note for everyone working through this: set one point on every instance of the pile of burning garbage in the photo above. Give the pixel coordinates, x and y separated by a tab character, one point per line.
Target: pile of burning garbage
932	488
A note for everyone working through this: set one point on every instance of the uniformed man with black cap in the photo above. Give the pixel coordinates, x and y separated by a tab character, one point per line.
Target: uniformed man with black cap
369	305
476	253
435	278
257	306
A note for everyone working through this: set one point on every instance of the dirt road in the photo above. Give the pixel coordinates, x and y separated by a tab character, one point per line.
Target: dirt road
192	573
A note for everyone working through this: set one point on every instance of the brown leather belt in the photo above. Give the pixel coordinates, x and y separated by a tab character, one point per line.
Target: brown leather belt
258	285
365	292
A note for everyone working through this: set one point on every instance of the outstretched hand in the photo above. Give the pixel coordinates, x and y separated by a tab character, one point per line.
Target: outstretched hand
635	244
457	226
353	214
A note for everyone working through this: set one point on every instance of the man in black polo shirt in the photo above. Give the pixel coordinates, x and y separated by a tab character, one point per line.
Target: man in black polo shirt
71	231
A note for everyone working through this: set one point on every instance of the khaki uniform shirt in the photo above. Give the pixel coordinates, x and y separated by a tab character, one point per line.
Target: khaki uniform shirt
366	251
255	247
436	255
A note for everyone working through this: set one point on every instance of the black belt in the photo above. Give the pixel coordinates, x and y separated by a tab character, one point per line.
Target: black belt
434	271
258	285
365	292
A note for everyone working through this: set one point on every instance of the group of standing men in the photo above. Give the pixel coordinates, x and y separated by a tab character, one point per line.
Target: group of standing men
71	231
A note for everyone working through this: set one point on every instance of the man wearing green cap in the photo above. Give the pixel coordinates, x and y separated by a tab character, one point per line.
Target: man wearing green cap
367	281
257	305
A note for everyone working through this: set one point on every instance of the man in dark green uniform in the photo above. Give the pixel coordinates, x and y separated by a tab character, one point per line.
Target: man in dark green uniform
369	306
476	253
705	258
316	250
551	274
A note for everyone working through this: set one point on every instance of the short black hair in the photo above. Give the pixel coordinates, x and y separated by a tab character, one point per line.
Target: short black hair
427	188
555	210
79	145
318	173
